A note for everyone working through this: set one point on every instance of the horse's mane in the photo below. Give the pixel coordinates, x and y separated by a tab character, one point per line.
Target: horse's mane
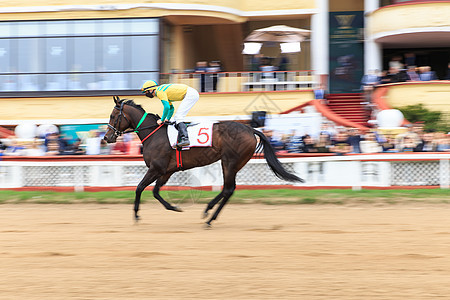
130	102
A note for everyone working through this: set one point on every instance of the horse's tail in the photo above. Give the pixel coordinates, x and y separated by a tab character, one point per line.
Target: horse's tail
272	160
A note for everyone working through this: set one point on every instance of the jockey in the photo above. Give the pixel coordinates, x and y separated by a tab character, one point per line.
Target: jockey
168	93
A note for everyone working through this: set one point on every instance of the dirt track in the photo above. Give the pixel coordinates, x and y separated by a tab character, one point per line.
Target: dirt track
253	252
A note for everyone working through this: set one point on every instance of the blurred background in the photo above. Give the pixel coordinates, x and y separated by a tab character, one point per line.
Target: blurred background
312	74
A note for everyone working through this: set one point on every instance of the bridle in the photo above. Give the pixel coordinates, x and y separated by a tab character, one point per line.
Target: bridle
118	133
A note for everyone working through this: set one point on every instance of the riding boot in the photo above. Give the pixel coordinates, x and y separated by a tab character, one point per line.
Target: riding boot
183	139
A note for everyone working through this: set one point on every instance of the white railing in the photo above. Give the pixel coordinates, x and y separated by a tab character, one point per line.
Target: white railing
374	170
244	81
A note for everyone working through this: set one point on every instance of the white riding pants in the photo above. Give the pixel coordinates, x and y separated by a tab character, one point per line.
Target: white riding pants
186	104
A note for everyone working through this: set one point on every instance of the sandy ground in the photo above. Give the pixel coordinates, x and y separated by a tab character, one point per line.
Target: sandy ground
253	252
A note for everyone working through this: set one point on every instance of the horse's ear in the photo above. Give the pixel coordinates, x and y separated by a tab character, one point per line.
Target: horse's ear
116	99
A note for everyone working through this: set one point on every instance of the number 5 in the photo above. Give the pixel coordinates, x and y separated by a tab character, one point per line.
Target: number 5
201	132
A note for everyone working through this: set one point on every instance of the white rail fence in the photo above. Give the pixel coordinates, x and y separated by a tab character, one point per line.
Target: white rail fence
356	171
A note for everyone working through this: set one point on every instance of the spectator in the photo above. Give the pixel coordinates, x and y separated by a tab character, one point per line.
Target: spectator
64	145
283	143
411	133
368	83
267	68
389	144
426	74
76	147
396	62
370	144
384	77
309	145
319	92
402	76
410	59
354	139
283	63
427	144
442	142
294	143
329	129
202	67
407	144
340	144
52	146
324	143
276	144
214	67
256	62
394	75
412	74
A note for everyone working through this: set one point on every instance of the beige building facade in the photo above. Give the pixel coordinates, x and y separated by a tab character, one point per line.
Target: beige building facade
152	38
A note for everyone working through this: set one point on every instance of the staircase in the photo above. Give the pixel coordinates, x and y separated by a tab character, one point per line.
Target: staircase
4	132
348	106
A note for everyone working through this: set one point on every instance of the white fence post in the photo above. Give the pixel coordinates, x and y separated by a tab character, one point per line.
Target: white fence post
444	176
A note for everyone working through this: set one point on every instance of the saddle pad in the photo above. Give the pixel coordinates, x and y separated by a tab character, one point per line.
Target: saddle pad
200	135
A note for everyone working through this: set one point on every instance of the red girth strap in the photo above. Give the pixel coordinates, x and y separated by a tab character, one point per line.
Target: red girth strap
179	159
143	140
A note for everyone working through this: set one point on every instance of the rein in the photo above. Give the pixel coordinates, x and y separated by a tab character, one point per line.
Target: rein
151	133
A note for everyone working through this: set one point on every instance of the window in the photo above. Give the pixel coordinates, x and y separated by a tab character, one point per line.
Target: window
78	55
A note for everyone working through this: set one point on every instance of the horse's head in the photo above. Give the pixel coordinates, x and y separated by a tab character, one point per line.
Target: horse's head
118	121
124	114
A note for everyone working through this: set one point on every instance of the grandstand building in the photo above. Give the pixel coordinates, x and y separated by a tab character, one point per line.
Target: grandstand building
61	63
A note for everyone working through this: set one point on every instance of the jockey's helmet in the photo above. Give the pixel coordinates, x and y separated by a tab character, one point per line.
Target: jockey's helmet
149	85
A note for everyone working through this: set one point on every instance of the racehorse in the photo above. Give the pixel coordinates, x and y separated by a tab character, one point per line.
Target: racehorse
232	142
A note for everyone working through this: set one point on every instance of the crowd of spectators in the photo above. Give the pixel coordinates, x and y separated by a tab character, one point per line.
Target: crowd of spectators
342	140
330	139
55	143
401	69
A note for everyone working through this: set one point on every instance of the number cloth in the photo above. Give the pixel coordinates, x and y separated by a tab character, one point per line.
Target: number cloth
200	135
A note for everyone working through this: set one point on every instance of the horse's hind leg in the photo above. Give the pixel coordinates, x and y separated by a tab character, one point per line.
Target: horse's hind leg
159	183
228	189
212	203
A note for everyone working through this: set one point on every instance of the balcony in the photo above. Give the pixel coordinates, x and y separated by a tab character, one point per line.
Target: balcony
411	24
248	81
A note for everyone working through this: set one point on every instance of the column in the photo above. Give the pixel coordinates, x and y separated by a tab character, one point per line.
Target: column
319	41
373	53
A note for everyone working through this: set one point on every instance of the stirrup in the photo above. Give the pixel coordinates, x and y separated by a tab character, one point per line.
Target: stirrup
183	143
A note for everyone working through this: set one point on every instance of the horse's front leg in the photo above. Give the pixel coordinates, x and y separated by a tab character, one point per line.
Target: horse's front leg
149	177
159	183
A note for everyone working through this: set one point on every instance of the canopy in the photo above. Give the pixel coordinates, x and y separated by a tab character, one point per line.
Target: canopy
278	33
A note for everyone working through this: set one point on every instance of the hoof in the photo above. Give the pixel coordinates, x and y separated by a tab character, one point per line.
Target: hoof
205	215
137	219
207	226
178	209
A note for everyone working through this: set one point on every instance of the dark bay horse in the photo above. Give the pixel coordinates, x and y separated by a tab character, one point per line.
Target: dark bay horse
233	143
